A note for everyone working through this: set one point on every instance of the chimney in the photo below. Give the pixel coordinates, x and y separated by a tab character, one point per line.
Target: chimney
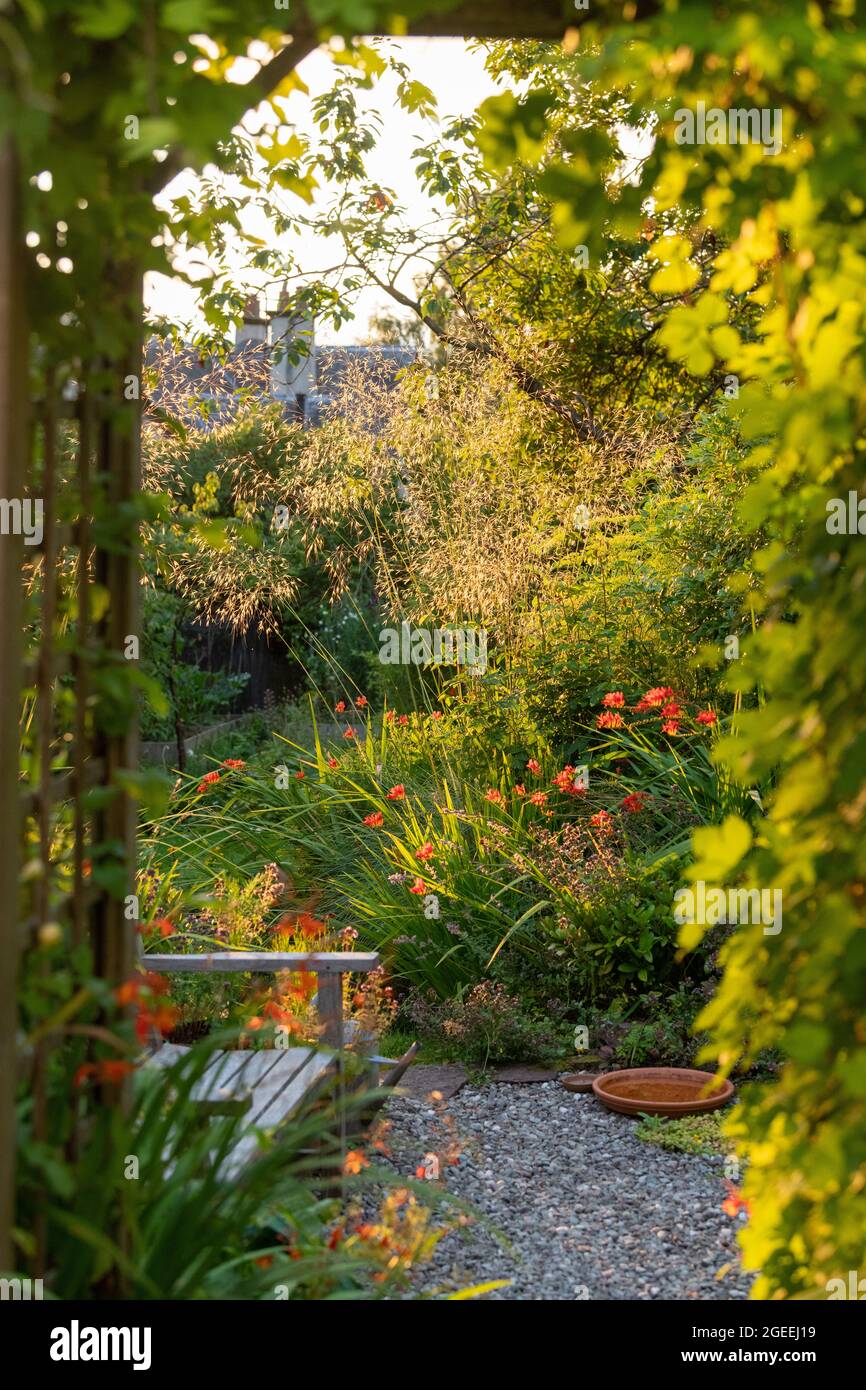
254	328
292	340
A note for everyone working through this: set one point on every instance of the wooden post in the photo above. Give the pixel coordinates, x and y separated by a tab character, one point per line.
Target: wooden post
329	1002
14	352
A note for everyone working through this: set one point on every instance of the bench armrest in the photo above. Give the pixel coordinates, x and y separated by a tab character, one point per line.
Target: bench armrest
328	965
262	962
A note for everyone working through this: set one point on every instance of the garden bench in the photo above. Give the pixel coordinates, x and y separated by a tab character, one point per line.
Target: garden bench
267	1086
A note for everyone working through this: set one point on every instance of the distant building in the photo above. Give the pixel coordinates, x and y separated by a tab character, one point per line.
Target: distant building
275	356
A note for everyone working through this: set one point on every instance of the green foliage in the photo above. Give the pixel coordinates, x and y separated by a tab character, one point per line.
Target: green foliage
692	1134
787	235
614	932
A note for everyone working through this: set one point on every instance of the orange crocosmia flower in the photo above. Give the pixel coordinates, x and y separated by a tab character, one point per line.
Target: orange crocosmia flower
128	992
659	695
332	762
309	925
602	820
254	1023
397	793
436	714
403	720
609	720
349	732
635	802
538	799
707	716
264	1261
418	886
375	818
425	852
340	707
519	789
335	1237
113	1071
494	797
533	767
87	1069
233	762
156	983
354	1161
361	702
210	779
614	699
164	1017
671	726
734	1203
389	716
672	710
300	773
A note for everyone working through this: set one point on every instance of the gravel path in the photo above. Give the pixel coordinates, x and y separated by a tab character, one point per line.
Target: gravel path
590	1211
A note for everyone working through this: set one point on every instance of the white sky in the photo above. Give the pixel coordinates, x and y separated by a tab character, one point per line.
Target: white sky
457	77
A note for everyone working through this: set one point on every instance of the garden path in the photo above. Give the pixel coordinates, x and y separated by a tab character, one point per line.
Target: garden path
590	1211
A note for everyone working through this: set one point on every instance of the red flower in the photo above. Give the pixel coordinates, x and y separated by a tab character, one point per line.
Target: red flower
602	820
163	926
111	1071
418	886
361	702
734	1203
339	707
437	714
671	726
672	710
707	716
128	992
389	716
403	720
519	789
300	773
397	793
564	780
349	732
533	767
492	795
375	818
254	1023
332	762
609	720
614	699
425	852
209	780
538	799
659	695
234	762
310	926
635	802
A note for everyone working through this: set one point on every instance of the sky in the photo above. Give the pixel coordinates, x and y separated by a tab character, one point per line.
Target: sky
453	71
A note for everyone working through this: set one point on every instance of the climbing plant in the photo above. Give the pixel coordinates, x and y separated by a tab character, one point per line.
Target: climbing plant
785	211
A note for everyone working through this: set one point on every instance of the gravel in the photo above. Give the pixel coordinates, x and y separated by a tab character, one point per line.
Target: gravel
589	1211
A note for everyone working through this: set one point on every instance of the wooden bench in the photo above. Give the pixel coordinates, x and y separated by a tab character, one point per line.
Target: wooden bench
269	1085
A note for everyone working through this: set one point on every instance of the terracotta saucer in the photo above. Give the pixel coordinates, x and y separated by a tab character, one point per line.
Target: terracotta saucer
661	1091
578	1081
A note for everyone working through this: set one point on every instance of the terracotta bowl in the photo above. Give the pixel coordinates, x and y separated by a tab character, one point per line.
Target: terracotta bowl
661	1091
578	1081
